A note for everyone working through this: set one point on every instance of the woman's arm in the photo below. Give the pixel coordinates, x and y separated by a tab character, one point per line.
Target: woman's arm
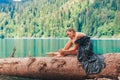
67	46
69	51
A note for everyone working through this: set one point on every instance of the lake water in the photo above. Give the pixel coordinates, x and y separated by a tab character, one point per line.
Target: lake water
38	47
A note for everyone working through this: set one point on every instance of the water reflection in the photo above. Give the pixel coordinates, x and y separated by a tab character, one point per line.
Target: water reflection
38	47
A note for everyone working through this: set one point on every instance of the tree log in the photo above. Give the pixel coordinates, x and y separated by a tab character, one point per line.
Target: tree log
54	68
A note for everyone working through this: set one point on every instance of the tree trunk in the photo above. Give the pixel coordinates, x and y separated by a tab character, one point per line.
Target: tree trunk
52	68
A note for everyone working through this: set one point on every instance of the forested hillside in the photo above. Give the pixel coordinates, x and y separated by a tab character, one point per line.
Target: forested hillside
51	18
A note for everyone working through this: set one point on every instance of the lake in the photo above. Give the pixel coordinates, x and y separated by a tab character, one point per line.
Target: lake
38	47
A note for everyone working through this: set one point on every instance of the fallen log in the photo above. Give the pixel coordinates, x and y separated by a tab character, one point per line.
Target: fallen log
53	68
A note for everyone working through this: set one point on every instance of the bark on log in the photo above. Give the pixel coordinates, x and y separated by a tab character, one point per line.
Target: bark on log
52	68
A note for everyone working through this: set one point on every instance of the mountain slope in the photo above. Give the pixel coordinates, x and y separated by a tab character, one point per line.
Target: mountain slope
50	18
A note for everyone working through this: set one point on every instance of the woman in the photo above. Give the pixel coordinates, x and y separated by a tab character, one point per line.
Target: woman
82	46
68	49
73	36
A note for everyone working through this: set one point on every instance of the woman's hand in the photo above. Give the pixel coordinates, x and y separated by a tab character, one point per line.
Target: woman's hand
62	52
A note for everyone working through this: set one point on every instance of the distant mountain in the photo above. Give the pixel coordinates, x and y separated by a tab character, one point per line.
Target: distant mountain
51	18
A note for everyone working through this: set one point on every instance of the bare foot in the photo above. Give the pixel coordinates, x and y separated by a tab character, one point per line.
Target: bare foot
52	54
58	55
